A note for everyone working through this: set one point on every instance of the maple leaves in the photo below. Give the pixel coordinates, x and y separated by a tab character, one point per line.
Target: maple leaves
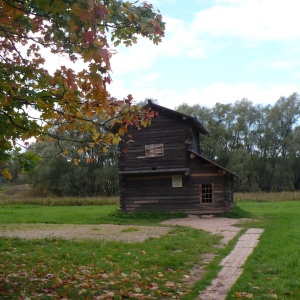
33	101
54	270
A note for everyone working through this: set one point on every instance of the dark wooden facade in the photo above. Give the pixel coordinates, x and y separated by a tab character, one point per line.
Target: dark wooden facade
163	169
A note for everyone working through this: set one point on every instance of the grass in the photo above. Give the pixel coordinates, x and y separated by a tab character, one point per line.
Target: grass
108	214
273	271
56	268
267	197
154	268
23	194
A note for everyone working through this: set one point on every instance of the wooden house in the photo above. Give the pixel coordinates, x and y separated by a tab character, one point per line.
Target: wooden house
163	169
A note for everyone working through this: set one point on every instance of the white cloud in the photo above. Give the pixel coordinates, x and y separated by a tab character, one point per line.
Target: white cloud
146	79
209	95
285	65
251	19
138	56
180	40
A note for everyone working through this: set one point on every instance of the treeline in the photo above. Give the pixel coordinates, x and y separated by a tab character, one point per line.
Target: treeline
50	172
261	144
64	171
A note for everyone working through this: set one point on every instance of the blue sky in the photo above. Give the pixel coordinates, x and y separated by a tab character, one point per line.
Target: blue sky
215	51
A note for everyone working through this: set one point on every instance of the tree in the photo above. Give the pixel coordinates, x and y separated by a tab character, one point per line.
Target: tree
259	143
68	99
93	173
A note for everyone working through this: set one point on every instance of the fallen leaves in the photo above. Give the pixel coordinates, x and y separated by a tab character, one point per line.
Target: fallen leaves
106	281
243	295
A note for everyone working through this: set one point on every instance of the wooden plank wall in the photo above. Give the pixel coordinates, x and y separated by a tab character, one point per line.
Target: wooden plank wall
154	191
166	130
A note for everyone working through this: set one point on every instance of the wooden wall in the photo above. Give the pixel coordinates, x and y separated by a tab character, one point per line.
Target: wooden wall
167	129
153	191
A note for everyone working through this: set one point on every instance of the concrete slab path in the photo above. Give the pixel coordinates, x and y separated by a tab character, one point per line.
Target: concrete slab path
232	266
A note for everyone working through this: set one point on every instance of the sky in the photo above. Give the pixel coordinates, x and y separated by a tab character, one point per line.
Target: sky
214	51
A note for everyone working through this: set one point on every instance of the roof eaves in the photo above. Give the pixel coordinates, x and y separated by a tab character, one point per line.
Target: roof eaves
208	160
193	120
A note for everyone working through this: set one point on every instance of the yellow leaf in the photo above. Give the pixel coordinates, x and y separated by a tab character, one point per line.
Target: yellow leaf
122	130
107	140
79	114
80	151
116	140
145	123
6	173
104	149
65	152
76	161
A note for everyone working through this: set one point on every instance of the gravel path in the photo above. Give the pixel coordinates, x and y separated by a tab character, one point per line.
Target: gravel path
125	233
223	226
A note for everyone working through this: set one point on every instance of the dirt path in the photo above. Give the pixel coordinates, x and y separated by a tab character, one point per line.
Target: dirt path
124	233
223	226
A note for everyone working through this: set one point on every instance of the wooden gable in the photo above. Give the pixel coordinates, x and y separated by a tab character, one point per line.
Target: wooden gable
162	168
162	145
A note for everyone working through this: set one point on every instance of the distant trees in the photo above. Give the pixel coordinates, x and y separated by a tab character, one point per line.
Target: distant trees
261	144
88	173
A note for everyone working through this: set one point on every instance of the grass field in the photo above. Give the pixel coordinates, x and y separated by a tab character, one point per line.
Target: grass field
273	271
154	269
158	268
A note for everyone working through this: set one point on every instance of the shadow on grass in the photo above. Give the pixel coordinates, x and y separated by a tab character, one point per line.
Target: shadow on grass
237	213
152	215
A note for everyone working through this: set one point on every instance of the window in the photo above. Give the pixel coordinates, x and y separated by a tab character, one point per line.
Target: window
206	193
154	150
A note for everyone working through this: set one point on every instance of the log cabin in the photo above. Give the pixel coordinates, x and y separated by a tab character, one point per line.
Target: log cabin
162	168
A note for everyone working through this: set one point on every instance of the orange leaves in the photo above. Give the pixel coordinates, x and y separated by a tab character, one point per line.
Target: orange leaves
89	36
68	100
243	295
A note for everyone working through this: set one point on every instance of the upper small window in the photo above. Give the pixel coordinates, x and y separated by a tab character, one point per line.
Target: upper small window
154	150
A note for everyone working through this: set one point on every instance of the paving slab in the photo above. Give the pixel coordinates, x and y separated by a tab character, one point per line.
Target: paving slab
232	266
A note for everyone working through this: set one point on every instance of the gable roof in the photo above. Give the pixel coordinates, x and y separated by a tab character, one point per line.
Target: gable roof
194	121
211	162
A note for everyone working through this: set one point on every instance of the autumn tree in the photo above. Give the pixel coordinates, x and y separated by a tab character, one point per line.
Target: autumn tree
33	101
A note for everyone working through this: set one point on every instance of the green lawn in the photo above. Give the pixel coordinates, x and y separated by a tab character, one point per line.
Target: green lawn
104	214
56	268
62	269
273	271
56	214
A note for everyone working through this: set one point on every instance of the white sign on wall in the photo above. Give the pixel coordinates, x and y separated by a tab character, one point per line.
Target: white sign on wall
176	181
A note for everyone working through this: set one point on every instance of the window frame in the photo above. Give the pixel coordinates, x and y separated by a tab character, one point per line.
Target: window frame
154	150
208	193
